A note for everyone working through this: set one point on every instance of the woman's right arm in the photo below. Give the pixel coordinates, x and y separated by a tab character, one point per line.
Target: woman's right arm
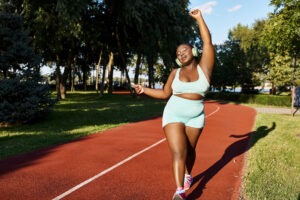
164	93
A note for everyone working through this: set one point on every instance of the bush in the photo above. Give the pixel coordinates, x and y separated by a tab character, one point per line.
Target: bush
297	82
23	101
262	99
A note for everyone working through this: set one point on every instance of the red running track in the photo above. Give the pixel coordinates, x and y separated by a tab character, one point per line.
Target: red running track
133	162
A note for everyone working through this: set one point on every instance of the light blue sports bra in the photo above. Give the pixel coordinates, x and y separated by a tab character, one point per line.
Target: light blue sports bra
198	87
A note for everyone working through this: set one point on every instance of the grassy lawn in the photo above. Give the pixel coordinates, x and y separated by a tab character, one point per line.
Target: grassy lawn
82	113
272	170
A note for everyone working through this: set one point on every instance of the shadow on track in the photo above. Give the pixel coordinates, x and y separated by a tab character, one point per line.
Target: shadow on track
235	149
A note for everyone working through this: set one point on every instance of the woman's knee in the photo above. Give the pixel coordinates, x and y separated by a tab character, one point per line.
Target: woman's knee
180	154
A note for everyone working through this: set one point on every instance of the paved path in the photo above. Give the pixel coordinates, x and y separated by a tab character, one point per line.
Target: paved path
132	162
276	110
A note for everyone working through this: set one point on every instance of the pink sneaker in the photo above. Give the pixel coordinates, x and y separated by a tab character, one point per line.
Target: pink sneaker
179	196
188	180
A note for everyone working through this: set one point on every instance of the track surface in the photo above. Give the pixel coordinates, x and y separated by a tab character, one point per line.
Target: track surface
132	162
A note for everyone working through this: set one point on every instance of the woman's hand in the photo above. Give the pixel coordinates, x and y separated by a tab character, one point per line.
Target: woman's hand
138	88
196	13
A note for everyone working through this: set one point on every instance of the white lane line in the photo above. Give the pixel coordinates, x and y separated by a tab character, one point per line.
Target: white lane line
212	113
107	170
117	165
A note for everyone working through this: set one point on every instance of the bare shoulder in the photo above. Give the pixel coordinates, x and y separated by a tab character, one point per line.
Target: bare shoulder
173	72
171	76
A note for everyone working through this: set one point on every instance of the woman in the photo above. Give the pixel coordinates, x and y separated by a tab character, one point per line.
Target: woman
183	117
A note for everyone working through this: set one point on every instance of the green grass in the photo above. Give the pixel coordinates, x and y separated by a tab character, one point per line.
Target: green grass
273	161
82	113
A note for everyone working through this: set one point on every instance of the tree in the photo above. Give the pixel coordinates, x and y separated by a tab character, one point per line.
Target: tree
22	98
281	35
280	70
59	23
151	36
231	68
80	30
96	36
256	54
16	53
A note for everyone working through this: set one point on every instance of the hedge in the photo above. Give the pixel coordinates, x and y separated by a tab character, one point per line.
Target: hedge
262	99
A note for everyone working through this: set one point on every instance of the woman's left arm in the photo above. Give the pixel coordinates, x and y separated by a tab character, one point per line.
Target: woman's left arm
208	53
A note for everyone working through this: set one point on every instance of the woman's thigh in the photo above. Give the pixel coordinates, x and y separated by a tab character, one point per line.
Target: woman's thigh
176	137
193	135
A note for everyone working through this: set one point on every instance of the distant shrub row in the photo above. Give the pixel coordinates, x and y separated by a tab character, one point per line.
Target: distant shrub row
263	99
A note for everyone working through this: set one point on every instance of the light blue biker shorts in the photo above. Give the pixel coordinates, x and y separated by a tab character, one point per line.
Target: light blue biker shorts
186	111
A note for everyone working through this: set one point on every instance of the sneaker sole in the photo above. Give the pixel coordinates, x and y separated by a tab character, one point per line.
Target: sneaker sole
176	197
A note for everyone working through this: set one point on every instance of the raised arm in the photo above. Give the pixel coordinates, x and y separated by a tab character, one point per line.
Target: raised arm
208	53
157	93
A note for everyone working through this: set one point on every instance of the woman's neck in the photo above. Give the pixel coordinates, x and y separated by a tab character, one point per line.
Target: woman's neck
192	65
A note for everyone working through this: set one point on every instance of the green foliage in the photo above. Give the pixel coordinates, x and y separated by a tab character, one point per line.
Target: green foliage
281	36
262	99
256	53
15	46
230	68
282	31
280	70
256	69
271	49
79	30
22	98
23	101
71	9
297	82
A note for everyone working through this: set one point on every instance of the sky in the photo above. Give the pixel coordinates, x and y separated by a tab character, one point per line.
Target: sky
223	15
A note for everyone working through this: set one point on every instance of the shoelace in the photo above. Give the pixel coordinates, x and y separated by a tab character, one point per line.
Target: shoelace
188	179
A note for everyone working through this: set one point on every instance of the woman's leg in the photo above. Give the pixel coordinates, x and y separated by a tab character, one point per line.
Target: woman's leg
177	141
193	135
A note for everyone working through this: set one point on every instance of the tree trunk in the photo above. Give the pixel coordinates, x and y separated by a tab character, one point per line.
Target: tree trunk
63	83
57	78
137	69
98	71
151	76
61	79
150	72
72	77
5	70
294	71
102	88
110	72
273	89
84	78
128	79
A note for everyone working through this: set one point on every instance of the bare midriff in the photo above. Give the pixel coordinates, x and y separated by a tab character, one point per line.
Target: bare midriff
190	96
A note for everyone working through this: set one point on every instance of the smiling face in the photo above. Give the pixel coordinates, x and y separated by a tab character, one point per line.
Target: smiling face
184	54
